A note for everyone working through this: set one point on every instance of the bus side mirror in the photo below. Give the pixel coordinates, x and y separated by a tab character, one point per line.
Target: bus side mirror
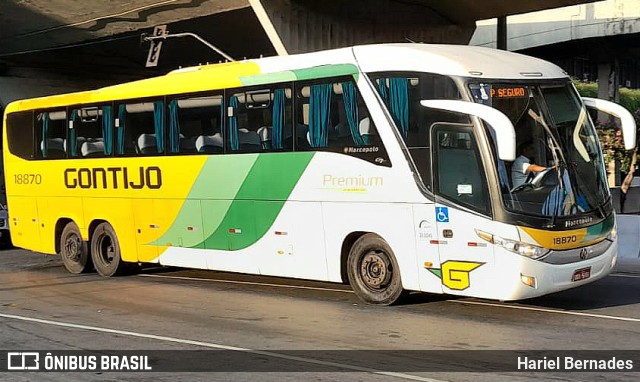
505	133
627	121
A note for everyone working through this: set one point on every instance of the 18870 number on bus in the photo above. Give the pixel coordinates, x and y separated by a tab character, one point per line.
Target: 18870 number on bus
565	240
27	178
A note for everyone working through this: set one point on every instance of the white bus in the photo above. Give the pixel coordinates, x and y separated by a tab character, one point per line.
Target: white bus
390	167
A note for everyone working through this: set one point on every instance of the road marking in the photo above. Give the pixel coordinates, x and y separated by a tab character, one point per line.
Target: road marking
569	312
212	345
247	283
625	275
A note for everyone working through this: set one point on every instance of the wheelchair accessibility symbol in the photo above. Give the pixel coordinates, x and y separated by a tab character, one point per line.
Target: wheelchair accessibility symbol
442	214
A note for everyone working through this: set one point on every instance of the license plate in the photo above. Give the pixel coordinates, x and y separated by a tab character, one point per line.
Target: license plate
581	274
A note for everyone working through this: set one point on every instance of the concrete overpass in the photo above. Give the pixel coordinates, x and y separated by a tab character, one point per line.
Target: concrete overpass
589	41
48	46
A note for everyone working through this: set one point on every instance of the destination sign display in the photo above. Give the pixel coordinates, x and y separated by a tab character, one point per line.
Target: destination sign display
509	92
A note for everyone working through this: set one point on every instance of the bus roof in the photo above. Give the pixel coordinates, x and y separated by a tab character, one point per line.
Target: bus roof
450	60
455	60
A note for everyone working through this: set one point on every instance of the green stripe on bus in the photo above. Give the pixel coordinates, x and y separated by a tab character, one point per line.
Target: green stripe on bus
301	74
216	186
259	200
600	230
327	71
268	78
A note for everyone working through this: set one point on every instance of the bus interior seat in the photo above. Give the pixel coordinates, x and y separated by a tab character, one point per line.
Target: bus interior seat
342	130
55	147
249	141
301	135
79	142
342	134
365	130
302	130
265	137
211	144
92	148
128	146
187	145
147	144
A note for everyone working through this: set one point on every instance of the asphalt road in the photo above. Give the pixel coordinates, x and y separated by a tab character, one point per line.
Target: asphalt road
42	307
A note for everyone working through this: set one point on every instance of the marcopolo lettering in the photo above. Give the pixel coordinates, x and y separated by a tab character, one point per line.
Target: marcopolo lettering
113	177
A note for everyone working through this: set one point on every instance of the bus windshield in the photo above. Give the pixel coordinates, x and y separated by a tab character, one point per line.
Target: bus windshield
559	168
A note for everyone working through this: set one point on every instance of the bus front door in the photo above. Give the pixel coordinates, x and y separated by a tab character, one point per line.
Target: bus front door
462	206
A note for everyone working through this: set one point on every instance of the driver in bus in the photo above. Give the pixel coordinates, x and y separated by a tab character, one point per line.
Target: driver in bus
522	167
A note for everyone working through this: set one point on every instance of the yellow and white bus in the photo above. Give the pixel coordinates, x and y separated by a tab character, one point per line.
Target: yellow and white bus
384	166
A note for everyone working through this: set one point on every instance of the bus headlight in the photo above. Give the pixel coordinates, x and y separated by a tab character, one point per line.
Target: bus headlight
523	249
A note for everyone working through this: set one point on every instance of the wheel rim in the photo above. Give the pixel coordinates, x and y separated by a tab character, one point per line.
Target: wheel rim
73	248
106	249
375	270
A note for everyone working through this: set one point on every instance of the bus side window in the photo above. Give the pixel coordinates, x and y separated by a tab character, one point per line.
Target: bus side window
195	125
401	92
51	130
459	175
332	116
139	128
319	119
259	119
90	132
20	134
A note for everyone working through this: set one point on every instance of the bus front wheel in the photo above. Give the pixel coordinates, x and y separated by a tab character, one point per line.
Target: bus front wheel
105	251
373	271
73	250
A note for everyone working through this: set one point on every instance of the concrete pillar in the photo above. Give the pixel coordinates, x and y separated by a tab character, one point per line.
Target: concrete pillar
608	89
605	71
502	33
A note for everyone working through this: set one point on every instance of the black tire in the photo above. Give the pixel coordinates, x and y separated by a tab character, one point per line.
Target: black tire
74	251
105	251
373	271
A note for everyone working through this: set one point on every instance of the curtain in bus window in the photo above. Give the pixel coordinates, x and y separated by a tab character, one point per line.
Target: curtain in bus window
174	127
382	89
277	119
107	129
73	143
45	133
350	99
319	114
233	124
122	115
158	122
399	103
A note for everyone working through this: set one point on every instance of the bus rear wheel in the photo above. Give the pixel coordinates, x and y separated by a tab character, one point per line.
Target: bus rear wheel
373	271
73	250
105	251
